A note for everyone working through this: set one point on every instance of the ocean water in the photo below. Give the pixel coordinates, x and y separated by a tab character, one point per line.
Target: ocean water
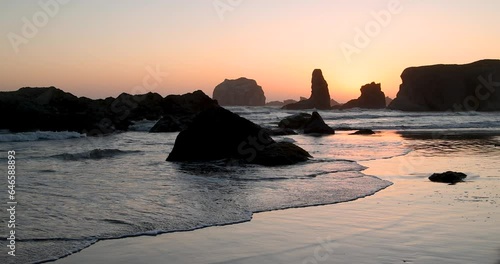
73	191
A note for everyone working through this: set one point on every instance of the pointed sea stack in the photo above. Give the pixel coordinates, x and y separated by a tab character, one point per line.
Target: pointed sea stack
320	95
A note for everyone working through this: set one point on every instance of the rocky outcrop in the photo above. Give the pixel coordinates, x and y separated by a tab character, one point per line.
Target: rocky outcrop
371	97
469	87
217	134
334	102
275	103
316	125
239	92
320	95
388	100
296	121
363	132
307	123
281	103
450	177
180	110
51	109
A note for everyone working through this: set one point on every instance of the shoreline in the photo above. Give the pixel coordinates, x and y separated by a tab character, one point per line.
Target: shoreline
424	224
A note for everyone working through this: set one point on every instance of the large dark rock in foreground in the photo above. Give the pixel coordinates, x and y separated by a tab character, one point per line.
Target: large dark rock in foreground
239	92
371	97
217	134
448	177
316	125
469	87
320	95
51	109
180	110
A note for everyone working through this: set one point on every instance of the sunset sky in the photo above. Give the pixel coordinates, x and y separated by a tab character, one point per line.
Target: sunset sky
100	48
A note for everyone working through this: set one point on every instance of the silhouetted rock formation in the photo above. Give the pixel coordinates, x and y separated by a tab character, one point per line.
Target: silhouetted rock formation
275	103
363	132
469	87
289	101
51	109
448	177
309	124
218	134
371	97
320	95
316	125
388	100
281	103
242	91
180	110
297	121
333	102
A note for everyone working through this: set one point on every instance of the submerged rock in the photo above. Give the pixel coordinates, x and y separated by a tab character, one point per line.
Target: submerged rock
320	95
218	134
468	87
448	177
371	97
239	92
363	132
316	125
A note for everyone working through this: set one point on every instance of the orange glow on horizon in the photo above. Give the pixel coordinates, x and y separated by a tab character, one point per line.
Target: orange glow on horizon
100	50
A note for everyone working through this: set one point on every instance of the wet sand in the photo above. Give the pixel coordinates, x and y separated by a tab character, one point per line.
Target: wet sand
412	221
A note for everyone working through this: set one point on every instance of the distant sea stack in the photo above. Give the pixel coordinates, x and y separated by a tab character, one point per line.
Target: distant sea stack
371	97
320	95
239	92
468	87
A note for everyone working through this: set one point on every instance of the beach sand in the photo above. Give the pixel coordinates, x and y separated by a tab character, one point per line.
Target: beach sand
412	221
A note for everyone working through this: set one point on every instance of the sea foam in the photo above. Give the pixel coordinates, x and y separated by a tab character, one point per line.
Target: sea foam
38	135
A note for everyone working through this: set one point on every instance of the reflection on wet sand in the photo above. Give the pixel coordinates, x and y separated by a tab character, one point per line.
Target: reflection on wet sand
432	143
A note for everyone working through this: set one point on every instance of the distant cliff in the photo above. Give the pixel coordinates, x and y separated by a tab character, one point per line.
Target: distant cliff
241	92
469	87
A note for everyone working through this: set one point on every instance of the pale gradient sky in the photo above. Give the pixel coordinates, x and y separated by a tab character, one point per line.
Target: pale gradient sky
100	48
